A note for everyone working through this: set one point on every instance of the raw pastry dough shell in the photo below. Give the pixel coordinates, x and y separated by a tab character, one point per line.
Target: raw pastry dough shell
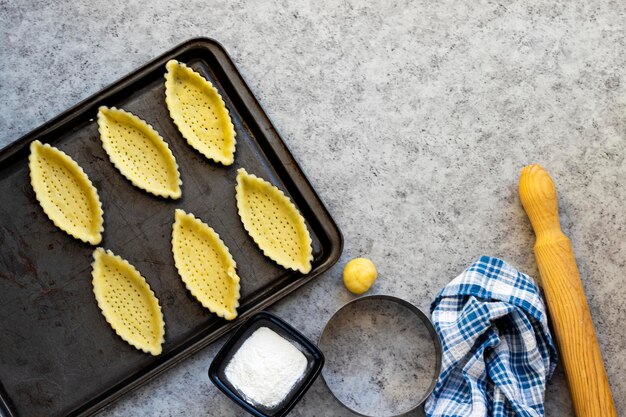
63	206
199	112
210	265
275	224
146	317
139	152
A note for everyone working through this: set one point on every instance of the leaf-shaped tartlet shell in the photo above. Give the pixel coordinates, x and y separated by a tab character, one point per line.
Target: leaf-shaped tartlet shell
65	193
205	265
273	222
199	112
127	302
139	152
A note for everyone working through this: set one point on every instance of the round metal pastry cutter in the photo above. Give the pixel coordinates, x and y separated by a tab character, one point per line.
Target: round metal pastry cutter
383	356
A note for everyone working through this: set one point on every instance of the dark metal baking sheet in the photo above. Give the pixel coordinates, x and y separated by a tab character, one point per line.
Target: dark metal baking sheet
58	356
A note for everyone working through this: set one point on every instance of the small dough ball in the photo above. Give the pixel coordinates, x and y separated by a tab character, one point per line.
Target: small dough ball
359	275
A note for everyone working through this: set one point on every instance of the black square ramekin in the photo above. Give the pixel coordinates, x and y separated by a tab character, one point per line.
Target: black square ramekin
315	362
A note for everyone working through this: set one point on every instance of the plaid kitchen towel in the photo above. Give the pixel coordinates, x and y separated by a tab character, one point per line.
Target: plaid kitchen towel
497	350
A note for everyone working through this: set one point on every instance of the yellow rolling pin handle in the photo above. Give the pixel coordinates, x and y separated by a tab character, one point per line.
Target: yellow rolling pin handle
565	296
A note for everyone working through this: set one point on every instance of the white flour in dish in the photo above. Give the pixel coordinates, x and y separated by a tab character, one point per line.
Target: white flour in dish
266	367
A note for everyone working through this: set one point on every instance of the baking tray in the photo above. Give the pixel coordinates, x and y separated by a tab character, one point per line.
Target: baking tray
58	356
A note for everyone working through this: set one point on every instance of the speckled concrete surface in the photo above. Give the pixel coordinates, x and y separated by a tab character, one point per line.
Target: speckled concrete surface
411	118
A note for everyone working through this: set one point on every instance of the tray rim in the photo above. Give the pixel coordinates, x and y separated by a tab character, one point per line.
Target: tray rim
287	161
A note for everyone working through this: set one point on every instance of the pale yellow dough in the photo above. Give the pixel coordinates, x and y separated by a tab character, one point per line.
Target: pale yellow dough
127	302
205	265
139	152
359	275
199	112
273	222
65	193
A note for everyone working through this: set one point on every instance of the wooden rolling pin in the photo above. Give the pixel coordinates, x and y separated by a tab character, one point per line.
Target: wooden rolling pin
565	296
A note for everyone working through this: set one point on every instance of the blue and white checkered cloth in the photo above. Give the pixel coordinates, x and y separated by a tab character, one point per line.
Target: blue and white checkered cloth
498	354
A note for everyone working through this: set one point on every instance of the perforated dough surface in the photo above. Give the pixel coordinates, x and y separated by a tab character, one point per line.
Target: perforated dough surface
65	193
273	222
127	302
139	152
205	265
199	112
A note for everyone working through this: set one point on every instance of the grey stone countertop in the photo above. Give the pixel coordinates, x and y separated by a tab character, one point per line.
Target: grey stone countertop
412	119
